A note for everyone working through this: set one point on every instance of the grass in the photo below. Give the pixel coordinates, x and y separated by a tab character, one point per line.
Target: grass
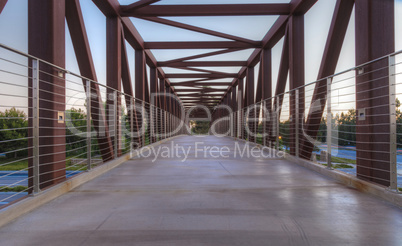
23	164
17	165
341	160
339	166
19	188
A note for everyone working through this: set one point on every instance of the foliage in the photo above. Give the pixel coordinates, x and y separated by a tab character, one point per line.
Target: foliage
75	140
16	121
399	123
347	128
200	127
18	188
15	164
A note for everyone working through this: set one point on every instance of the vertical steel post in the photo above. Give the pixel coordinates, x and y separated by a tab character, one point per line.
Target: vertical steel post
150	123
89	147
277	119
264	123
144	120
255	124
392	121
329	125
35	125
115	122
297	109
131	126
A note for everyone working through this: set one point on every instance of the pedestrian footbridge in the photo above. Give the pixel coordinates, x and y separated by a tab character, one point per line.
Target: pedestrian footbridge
204	200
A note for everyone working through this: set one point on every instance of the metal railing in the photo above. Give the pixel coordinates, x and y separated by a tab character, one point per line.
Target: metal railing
49	136
335	141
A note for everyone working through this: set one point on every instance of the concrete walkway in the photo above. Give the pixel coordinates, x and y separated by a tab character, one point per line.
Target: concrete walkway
209	201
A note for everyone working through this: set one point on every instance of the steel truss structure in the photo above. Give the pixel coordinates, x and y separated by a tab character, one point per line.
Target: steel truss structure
374	39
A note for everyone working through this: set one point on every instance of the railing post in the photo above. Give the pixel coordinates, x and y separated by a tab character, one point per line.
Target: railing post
297	120
143	120
151	123
35	125
277	119
264	123
132	106
392	115
255	124
115	126
329	124
89	147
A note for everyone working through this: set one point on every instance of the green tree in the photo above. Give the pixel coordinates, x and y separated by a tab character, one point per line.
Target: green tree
200	127
347	128
398	123
75	119
13	132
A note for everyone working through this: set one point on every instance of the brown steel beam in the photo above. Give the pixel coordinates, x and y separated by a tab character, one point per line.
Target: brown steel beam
137	5
204	64
301	7
139	75
110	8
214	53
2	5
258	94
190	82
201	90
282	75
209	10
113	75
125	71
46	40
336	36
128	89
199	75
146	84
205	71
153	82
276	32
200	45
198	29
85	63
131	34
296	77
250	100
250	86
198	95
200	101
375	37
266	65
202	84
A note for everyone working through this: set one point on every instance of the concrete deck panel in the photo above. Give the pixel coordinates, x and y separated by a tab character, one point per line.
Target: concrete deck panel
209	201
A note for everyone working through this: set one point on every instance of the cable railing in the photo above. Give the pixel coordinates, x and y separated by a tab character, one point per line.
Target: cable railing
350	121
55	124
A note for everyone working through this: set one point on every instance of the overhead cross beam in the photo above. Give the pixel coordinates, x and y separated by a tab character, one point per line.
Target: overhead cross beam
275	33
207	10
138	5
200	90
200	75
202	84
198	29
201	45
204	64
2	5
214	53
